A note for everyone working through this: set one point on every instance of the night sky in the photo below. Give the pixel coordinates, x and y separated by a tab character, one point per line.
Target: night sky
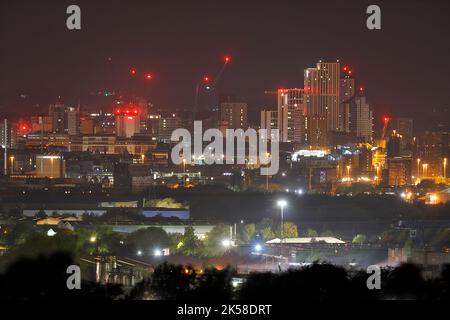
405	67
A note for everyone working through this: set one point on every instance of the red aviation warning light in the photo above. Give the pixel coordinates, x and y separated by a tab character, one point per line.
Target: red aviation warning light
127	112
23	127
148	76
133	71
345	68
227	59
206	79
385	119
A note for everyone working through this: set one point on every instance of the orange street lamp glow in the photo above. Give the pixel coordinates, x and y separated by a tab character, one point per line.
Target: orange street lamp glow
418	168
445	168
425	169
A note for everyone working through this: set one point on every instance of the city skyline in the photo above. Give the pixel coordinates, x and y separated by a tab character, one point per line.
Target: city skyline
201	151
75	64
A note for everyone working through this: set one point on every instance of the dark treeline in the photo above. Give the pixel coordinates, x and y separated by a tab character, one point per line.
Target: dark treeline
44	278
222	204
253	207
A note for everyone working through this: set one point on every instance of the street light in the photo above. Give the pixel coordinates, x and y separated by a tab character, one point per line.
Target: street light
425	170
445	168
226	243
51	168
418	168
267	176
12	164
377	170
282	204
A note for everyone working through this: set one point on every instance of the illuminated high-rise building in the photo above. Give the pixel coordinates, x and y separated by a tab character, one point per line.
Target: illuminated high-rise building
41	123
86	124
8	134
128	122
73	121
58	113
233	115
361	118
269	120
167	123
322	90
433	148
399	171
290	114
65	119
347	88
347	92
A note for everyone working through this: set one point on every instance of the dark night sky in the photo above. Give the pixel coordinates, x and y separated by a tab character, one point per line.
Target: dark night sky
405	67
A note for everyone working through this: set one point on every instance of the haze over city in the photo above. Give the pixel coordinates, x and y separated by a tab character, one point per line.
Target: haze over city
179	42
210	152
